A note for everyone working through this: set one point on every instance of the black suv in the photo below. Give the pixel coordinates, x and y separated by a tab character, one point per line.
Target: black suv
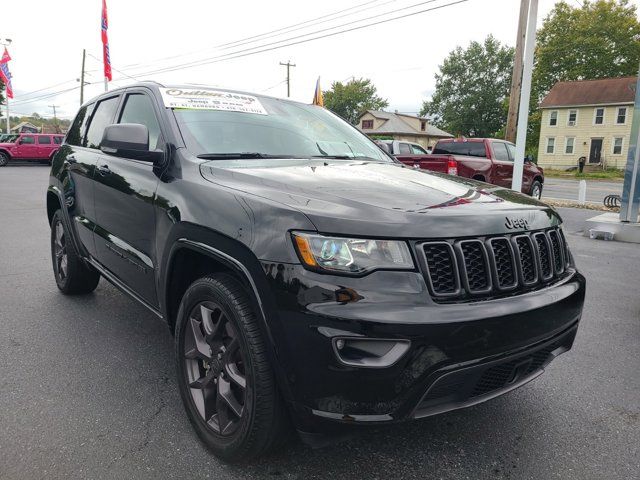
310	280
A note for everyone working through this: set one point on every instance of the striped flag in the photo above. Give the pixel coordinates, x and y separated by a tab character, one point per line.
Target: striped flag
5	75
317	96
105	42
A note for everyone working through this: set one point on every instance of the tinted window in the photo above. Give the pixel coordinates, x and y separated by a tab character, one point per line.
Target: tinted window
405	148
28	140
57	140
500	152
512	151
75	135
418	150
139	109
101	118
44	140
470	149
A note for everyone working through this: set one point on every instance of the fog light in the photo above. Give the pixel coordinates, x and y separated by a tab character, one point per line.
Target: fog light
369	352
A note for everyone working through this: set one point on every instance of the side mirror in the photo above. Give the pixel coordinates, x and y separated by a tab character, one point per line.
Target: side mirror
128	140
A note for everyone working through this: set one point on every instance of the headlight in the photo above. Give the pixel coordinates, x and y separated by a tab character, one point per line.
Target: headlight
351	255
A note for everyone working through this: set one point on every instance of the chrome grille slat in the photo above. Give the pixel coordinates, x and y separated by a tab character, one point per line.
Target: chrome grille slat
468	269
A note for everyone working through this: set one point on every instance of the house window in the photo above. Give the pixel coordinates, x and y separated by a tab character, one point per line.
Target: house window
367	123
598	118
568	145
553	118
617	145
622	116
551	145
573	118
423	125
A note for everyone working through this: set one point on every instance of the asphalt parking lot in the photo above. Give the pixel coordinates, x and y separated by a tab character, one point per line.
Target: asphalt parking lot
87	385
567	189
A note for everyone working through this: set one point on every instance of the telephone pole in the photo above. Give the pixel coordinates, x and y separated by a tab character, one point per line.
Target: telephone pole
55	119
288	65
516	79
84	54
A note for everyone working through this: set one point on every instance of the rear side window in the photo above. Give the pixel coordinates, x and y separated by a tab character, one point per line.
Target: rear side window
46	140
102	117
500	152
75	136
405	148
57	140
28	140
470	149
139	109
418	150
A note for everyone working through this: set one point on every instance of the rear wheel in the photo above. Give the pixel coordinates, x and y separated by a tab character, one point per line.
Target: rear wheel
536	190
72	275
4	159
225	379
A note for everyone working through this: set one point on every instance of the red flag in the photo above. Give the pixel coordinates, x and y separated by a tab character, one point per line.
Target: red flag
5	56
5	75
105	42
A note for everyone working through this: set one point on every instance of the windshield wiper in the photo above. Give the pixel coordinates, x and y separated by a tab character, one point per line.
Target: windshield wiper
344	157
236	155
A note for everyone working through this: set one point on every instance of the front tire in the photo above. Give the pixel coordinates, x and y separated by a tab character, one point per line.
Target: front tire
536	190
4	159
73	277
224	376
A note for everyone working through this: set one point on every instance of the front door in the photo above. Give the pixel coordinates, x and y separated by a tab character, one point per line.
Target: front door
124	200
595	153
27	147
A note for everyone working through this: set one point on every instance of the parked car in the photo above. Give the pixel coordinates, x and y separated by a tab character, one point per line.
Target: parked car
29	146
485	159
310	279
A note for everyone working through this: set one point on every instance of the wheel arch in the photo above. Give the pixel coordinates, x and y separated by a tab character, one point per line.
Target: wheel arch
6	152
539	178
53	203
479	177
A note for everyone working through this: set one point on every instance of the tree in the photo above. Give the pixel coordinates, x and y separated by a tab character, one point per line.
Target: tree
471	89
353	98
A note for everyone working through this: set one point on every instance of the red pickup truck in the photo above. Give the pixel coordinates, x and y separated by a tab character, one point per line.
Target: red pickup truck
30	146
485	159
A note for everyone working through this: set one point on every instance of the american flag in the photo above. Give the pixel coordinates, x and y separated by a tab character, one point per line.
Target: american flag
105	42
5	75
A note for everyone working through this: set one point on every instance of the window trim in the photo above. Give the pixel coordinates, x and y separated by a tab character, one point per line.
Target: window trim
575	122
573	146
626	114
551	117
595	115
613	145
96	104
546	147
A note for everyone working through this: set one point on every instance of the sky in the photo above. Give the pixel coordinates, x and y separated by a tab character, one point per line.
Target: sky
401	57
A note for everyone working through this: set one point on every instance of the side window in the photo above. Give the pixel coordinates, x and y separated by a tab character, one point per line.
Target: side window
500	152
57	140
405	149
75	135
418	150
28	140
102	117
512	151
139	109
44	140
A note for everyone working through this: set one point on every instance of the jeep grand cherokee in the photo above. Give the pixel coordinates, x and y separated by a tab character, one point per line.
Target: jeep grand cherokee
310	280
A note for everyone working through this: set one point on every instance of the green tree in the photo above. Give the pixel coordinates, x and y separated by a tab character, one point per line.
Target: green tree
351	99
600	39
471	89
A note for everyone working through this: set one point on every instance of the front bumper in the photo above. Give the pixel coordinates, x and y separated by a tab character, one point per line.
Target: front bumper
460	354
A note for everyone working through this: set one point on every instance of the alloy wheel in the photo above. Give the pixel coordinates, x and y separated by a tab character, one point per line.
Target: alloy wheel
60	251
215	368
536	192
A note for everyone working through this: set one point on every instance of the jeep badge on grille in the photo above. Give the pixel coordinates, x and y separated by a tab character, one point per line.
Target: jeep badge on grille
512	223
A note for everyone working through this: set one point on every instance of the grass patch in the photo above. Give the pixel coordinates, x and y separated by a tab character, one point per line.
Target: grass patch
608	174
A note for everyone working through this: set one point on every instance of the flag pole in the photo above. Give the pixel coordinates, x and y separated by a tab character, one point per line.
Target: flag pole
106	84
8	124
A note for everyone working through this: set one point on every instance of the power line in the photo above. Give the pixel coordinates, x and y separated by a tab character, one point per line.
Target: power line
240	54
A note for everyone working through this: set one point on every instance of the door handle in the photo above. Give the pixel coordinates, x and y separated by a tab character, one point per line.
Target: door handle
104	170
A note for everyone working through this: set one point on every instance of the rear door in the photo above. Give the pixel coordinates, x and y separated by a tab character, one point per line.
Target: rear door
502	164
27	147
124	199
45	146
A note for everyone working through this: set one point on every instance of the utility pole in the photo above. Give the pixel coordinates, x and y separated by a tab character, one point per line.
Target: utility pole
55	119
525	95
516	79
84	54
288	65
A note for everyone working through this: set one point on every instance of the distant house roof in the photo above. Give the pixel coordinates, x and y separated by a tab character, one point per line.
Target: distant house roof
25	127
398	124
606	91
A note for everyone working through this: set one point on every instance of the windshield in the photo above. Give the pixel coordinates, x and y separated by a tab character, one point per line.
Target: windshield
287	130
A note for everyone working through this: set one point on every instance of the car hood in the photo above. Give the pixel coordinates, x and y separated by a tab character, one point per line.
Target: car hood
382	199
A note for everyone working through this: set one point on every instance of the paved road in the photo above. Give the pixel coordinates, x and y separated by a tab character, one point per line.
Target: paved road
87	385
567	189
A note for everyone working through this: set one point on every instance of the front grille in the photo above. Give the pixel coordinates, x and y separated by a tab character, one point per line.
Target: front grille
469	269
